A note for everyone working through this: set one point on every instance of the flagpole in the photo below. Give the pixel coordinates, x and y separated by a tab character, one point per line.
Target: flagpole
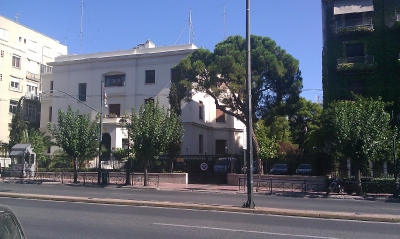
101	131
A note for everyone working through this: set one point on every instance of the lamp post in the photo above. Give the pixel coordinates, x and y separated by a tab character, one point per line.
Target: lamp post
396	179
128	164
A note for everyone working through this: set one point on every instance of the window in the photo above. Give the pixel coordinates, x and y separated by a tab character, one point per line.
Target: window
114	109
220	146
16	61
220	116
357	87
51	85
3	34
50	113
30	112
150	76
82	91
48	150
173	74
13	106
356	49
149	100
114	80
200	144
31	89
45	69
201	110
14	84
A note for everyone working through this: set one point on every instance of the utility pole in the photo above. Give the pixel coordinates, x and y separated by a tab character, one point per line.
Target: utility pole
249	127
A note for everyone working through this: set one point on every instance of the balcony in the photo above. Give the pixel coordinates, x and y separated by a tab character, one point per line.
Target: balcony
31	118
356	64
354	26
32	76
31	96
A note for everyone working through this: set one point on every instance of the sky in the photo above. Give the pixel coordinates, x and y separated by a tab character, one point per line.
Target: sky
109	25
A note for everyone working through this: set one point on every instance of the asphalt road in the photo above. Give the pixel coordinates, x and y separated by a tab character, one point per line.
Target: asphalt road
48	219
299	203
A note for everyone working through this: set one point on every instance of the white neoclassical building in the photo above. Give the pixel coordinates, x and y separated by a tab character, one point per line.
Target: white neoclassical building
24	54
131	77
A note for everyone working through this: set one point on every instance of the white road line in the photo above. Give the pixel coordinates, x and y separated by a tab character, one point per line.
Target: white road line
237	230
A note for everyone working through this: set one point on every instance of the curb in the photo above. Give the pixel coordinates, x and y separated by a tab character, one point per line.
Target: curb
222	208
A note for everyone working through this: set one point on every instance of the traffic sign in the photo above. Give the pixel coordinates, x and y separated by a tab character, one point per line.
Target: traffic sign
204	166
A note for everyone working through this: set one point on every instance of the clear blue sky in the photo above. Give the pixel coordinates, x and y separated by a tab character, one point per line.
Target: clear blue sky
109	25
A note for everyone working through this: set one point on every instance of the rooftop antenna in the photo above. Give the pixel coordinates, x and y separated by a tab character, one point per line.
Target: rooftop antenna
191	31
224	22
16	17
81	32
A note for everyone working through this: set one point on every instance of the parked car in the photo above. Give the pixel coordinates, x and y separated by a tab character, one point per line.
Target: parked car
226	165
10	227
255	167
304	169
279	168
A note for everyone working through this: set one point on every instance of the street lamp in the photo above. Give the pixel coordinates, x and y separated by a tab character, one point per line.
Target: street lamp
128	165
396	179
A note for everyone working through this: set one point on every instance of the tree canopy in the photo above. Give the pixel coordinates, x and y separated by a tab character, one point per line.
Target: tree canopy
153	130
77	135
359	129
222	74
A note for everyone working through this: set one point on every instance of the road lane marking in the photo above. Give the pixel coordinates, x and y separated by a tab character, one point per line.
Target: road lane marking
237	230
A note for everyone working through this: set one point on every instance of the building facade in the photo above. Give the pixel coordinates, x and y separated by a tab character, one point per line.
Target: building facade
361	49
131	78
24	54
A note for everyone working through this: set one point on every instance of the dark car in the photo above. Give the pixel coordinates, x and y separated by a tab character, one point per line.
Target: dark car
10	227
304	169
279	168
226	165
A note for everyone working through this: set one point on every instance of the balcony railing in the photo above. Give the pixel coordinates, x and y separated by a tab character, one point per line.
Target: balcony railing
356	59
32	76
354	25
356	64
31	96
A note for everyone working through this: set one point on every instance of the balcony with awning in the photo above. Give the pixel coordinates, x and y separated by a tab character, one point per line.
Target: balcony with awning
353	16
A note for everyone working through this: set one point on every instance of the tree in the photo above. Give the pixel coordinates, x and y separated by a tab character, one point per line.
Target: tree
152	131
175	143
76	135
268	144
360	131
304	116
40	143
18	127
222	74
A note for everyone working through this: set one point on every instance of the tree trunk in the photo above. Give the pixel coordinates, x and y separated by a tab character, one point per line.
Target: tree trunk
357	185
146	164
75	171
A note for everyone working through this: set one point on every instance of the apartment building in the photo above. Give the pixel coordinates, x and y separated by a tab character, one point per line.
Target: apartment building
361	49
24	54
131	78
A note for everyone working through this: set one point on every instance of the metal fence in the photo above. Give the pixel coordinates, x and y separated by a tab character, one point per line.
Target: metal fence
282	185
86	177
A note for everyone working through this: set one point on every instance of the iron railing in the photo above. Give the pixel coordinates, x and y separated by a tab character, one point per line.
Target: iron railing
272	185
84	177
356	59
367	21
